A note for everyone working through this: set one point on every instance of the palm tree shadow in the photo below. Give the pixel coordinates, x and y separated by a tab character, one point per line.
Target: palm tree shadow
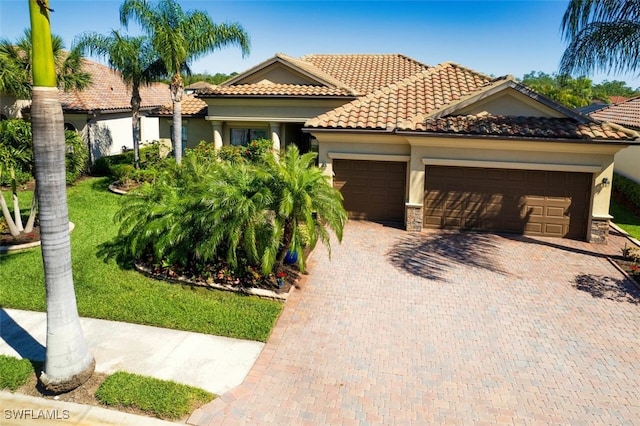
115	250
603	287
431	256
19	339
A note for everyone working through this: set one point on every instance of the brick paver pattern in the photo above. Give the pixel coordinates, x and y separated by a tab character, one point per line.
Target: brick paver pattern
448	328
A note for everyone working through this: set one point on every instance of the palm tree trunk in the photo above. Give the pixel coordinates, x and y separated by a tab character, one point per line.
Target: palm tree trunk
68	362
13	229
176	96
135	124
28	228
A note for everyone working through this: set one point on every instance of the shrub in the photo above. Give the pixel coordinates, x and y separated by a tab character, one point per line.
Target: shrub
16	151
14	372
77	156
242	217
257	151
628	188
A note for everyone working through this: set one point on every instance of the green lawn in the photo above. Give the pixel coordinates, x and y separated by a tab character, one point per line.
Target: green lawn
105	290
625	219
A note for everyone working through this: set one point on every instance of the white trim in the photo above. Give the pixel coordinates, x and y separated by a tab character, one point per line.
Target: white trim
369	157
417	205
583	168
232	118
601	216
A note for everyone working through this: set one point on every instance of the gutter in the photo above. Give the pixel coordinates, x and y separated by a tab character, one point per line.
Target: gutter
518	138
353	131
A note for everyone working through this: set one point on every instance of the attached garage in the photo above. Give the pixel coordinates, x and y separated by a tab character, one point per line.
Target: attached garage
372	190
530	202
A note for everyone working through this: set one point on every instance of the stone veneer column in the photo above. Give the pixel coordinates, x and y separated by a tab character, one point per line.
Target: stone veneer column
599	230
413	217
217	134
275	136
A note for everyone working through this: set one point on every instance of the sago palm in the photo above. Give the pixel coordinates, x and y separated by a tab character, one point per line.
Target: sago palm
305	205
136	62
180	37
603	35
68	362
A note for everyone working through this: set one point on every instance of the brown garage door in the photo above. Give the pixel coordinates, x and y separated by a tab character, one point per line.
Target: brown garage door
531	202
372	190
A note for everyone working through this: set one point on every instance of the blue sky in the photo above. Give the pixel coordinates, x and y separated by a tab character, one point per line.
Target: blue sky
494	37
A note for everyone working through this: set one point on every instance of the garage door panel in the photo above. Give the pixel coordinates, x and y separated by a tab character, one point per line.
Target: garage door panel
372	190
525	201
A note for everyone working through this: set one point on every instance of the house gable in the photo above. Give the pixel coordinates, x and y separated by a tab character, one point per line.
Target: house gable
285	70
510	103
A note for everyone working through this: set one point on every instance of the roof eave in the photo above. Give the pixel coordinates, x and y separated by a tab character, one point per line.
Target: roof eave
520	138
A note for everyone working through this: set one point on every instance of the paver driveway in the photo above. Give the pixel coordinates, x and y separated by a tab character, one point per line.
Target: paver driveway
402	328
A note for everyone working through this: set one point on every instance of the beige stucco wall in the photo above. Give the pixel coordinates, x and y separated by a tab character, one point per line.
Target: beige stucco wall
628	163
198	129
265	110
510	103
277	73
12	107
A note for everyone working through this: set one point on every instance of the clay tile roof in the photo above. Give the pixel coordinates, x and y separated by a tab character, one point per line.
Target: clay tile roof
365	73
191	106
387	108
625	114
200	85
528	127
271	89
109	93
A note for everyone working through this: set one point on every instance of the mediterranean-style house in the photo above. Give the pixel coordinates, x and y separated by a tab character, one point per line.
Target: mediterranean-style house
625	113
426	146
101	113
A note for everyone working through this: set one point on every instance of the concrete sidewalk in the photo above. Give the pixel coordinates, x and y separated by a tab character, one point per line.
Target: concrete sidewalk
213	363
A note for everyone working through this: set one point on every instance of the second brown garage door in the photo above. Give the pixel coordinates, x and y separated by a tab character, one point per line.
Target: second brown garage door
532	202
372	190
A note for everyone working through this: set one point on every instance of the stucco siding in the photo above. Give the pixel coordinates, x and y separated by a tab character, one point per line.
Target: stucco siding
628	163
510	103
277	74
296	110
198	130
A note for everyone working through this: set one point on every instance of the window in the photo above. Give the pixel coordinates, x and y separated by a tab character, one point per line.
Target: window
244	136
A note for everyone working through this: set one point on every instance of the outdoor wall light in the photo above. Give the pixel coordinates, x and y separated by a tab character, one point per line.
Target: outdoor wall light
605	181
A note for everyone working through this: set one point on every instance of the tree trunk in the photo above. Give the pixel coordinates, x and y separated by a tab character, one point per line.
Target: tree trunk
13	229
177	88
135	123
68	362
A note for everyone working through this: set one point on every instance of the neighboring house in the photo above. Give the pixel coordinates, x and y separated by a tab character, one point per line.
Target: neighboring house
625	114
427	147
101	113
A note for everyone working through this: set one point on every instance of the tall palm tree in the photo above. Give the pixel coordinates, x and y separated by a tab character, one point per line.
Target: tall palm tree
137	63
180	37
68	362
603	35
16	62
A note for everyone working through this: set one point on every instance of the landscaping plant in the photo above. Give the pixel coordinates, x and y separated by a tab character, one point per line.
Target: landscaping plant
241	217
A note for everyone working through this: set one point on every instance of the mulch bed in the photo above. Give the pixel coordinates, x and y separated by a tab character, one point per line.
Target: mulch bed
7	240
630	267
217	278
